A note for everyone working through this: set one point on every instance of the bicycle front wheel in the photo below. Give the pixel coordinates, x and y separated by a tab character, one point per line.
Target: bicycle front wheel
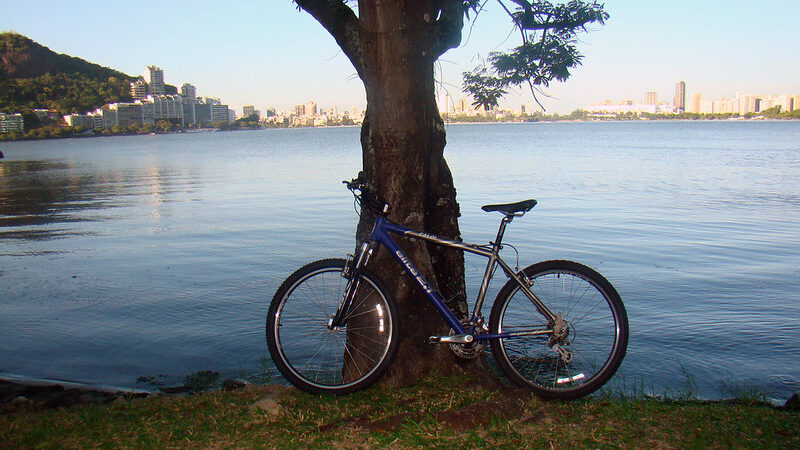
321	359
590	345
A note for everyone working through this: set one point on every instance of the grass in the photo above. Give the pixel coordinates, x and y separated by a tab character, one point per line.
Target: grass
441	413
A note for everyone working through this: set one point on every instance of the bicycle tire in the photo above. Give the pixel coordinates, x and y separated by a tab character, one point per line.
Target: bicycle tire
597	335
323	361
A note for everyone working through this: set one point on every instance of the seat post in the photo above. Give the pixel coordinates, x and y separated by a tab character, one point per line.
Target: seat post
507	218
491	264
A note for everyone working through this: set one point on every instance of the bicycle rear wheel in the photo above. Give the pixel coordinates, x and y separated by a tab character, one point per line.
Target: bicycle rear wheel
316	358
589	351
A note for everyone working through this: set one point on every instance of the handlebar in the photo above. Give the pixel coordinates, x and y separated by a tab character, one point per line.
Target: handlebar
356	183
365	197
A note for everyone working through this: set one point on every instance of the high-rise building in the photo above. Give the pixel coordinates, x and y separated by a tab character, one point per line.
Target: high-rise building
123	114
445	102
202	113
746	103
248	110
189	115
98	121
695	102
219	113
79	120
311	108
725	105
148	112
462	105
168	107
139	89
155	80
205	113
679	101
189	93
651	98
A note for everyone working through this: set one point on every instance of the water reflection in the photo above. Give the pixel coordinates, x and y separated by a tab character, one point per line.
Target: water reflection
35	194
32	193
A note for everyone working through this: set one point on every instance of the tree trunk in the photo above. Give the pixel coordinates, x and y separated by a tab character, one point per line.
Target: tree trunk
393	46
403	139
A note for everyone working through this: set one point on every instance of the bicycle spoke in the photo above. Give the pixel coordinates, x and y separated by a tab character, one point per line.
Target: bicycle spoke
315	357
586	347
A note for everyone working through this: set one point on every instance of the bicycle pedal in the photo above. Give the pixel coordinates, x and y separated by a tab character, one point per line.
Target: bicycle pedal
454	339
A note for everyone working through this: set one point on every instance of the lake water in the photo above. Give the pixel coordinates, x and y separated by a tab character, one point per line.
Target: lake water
156	256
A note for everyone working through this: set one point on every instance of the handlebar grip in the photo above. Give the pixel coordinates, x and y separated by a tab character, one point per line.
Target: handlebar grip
356	183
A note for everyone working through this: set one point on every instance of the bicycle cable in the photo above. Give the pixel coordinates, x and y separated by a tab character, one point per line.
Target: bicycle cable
516	266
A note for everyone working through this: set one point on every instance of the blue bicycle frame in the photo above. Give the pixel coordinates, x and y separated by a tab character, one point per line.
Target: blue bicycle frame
380	235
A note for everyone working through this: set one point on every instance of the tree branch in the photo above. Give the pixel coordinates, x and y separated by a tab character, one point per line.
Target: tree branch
548	51
447	31
543	15
341	22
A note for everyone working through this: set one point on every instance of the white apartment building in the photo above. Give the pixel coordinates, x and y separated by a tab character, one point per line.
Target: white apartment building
79	120
189	93
627	106
112	116
311	109
219	113
694	103
784	101
742	103
141	112
167	106
139	89
98	121
155	80
10	123
148	112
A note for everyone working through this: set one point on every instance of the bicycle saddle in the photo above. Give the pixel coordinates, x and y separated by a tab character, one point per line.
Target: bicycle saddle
511	208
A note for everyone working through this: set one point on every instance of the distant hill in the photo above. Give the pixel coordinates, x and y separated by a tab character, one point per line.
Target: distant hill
21	57
33	76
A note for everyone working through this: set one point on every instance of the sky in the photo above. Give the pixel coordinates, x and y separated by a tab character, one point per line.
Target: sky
268	54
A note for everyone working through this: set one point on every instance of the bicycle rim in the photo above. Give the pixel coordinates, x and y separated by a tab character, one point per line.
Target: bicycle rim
596	336
344	359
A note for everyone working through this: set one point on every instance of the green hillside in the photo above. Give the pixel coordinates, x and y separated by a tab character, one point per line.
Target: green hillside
33	76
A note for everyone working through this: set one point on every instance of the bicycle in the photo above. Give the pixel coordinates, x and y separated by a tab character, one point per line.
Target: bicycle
557	327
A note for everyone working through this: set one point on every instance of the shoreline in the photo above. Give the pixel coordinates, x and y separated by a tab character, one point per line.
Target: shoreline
21	394
446	123
29	394
17	393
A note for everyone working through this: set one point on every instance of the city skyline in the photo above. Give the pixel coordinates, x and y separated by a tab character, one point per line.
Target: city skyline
687	99
269	54
682	101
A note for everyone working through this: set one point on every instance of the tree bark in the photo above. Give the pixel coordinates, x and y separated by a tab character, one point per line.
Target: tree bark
403	140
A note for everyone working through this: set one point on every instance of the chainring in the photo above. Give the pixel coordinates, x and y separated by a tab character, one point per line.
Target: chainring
467	351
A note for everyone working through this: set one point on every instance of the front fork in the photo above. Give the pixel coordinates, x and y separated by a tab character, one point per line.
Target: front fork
350	271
